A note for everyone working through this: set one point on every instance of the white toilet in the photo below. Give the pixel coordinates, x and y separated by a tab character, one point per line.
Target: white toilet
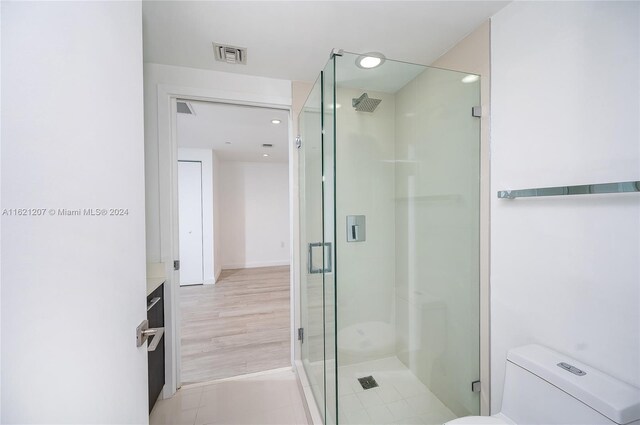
542	386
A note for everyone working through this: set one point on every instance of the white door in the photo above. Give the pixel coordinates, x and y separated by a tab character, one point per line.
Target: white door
190	222
73	272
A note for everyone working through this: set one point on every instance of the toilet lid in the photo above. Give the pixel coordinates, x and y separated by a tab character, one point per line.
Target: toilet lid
478	420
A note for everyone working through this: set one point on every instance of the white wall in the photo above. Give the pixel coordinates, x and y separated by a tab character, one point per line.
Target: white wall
0	224
565	271
205	157
254	203
217	210
73	288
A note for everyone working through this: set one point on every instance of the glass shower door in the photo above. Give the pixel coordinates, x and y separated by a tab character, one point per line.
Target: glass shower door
317	238
389	196
311	244
407	242
329	113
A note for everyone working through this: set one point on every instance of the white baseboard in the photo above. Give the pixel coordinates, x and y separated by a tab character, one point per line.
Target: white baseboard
256	264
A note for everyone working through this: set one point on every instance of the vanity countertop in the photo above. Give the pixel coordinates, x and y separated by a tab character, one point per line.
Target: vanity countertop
155	276
153	283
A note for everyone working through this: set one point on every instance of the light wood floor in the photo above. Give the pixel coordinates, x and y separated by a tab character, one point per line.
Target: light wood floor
239	325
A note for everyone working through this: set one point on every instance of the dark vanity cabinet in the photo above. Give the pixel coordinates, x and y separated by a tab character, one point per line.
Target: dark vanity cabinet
155	316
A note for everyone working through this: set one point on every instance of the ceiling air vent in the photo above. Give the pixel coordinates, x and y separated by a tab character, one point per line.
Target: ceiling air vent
267	145
230	54
184	108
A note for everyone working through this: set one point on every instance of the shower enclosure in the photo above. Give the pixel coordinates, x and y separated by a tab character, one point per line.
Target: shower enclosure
389	165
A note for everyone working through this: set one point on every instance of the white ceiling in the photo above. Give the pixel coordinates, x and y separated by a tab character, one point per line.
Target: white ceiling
247	128
292	39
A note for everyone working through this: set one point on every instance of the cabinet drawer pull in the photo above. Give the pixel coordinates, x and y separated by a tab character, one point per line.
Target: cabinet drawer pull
153	302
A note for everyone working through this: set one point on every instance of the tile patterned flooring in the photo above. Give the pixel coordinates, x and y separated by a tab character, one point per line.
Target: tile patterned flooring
267	399
238	326
275	399
400	397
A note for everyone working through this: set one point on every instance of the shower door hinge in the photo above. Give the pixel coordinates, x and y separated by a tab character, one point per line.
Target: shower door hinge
476	111
475	386
301	335
176	264
298	141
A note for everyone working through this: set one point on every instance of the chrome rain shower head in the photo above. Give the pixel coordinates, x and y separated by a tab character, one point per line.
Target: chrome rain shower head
365	103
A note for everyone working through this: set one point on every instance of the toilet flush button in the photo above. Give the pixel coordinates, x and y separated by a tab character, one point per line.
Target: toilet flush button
572	369
577	371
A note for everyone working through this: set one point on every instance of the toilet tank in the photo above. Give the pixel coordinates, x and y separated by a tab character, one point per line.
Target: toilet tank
539	391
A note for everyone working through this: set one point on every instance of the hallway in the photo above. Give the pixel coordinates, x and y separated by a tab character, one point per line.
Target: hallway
238	326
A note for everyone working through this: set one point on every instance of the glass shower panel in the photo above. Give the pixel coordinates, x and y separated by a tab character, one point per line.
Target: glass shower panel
438	227
311	276
329	204
406	242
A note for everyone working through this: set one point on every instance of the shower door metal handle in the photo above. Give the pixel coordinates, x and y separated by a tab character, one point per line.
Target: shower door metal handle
327	268
310	258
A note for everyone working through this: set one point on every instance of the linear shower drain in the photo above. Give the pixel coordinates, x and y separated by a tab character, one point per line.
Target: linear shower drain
368	382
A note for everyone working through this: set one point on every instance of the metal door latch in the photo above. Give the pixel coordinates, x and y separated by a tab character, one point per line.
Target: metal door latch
143	333
475	386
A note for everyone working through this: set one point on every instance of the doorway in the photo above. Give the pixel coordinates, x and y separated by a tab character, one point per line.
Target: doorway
234	313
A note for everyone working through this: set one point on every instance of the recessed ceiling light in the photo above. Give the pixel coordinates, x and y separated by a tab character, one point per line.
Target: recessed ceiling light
275	121
470	78
265	155
370	60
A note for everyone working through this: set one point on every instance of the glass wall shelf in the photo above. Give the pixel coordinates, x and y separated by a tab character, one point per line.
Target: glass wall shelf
586	189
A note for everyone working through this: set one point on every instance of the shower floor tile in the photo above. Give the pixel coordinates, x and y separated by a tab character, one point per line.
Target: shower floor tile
400	397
